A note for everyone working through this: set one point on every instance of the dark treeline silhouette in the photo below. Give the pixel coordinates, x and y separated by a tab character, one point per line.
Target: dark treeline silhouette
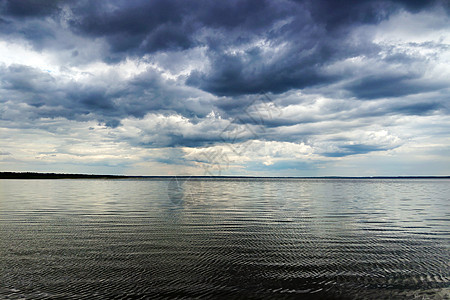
34	175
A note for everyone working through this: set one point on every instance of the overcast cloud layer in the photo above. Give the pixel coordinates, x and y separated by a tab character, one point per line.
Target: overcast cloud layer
274	88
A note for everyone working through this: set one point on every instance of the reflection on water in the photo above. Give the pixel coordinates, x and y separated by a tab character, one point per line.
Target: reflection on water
215	238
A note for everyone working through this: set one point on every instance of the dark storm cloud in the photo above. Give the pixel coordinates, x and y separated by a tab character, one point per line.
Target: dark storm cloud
310	35
233	76
347	150
387	86
316	36
135	27
419	109
140	27
30	8
103	99
335	14
403	108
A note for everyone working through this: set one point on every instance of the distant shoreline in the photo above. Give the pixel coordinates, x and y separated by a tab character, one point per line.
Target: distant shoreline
34	175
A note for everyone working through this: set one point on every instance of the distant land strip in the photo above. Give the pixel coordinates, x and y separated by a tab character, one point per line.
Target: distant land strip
34	175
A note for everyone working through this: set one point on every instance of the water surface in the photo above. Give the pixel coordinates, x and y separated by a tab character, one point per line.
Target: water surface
221	238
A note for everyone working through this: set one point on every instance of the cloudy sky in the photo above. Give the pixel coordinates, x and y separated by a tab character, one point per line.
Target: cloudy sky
248	87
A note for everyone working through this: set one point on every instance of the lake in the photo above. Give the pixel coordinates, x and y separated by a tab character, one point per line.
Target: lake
225	238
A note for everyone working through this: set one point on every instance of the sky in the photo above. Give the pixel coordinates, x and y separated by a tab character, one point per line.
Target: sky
248	87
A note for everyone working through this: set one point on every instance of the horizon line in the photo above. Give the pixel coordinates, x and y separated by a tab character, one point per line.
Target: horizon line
39	175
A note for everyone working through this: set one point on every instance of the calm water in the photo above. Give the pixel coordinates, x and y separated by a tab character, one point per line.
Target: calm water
225	238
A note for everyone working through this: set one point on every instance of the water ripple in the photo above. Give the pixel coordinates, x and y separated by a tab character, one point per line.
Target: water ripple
244	239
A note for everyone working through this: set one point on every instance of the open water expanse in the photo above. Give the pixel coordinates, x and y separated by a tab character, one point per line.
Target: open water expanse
225	238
